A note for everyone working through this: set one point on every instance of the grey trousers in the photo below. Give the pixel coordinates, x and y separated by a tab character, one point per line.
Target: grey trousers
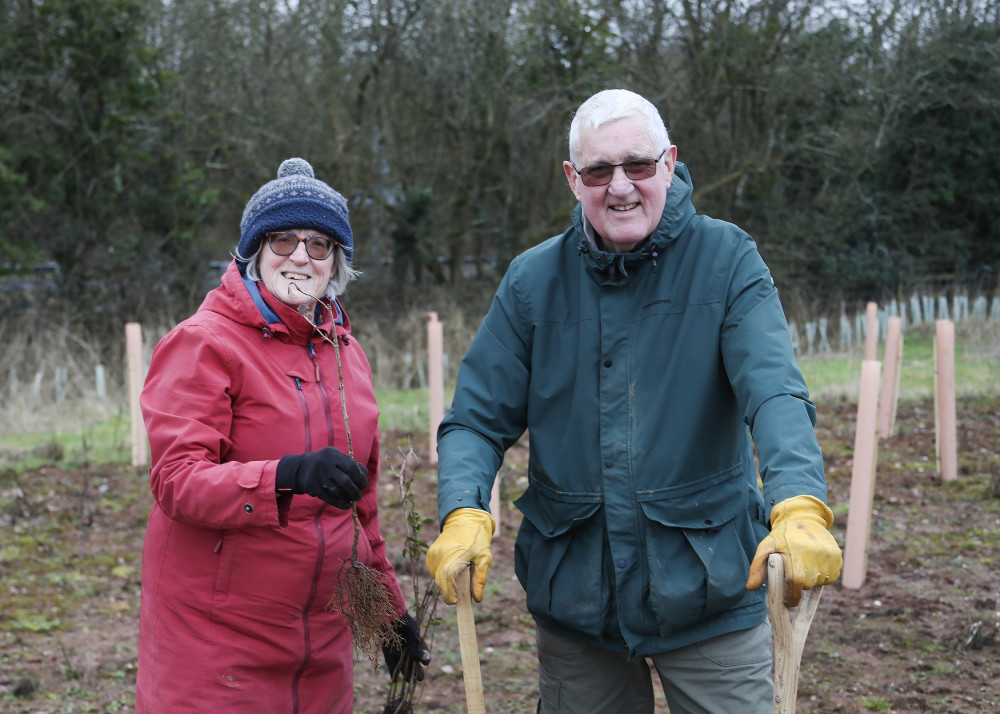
730	673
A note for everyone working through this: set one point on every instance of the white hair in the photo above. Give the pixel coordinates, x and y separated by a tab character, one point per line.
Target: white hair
611	105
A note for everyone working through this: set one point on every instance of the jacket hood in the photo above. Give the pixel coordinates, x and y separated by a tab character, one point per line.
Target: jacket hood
613	268
249	303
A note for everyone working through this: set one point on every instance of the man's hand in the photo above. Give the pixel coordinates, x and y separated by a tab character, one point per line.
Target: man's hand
465	539
800	533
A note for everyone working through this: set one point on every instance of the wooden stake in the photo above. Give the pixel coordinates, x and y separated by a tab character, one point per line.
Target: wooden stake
946	427
871	330
790	627
495	505
889	395
862	479
435	379
468	644
133	352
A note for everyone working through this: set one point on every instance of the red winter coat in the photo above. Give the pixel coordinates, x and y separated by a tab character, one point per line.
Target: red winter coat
236	580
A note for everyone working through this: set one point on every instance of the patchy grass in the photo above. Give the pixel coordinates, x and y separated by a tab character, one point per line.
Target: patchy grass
920	635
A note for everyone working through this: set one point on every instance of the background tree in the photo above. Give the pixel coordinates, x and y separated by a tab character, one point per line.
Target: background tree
853	140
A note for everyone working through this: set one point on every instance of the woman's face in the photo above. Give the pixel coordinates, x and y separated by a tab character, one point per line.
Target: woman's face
297	279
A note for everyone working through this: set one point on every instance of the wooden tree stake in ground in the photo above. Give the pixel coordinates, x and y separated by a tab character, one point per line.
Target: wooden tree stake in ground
468	644
133	349
889	396
790	627
871	330
862	479
435	380
945	422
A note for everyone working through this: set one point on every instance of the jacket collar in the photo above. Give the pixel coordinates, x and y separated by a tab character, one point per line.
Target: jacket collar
250	303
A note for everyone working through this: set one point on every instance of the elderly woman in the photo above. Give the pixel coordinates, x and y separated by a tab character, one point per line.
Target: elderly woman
254	474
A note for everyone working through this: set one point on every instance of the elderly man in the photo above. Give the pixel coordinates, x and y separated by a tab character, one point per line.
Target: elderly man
646	352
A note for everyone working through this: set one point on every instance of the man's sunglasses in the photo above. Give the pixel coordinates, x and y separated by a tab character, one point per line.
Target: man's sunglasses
601	174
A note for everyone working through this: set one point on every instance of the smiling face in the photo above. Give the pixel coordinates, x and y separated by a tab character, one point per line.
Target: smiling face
624	211
295	279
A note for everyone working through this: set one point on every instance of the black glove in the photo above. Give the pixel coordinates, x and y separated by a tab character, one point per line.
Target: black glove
414	648
328	474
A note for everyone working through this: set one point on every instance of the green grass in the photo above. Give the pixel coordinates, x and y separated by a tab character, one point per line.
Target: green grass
976	370
406	409
830	377
876	704
109	441
101	442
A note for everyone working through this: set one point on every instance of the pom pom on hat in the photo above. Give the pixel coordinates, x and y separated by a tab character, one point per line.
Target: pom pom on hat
295	199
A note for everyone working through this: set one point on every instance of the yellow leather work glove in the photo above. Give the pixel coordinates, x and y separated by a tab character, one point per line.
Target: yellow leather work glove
800	533
465	539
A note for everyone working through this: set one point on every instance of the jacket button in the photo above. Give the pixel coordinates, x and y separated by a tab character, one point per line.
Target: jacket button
248	507
607	363
620	563
608	463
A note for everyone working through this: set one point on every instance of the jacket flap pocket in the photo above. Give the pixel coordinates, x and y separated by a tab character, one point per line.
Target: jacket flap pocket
553	516
704	509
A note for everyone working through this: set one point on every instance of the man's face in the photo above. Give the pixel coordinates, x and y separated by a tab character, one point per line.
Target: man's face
624	211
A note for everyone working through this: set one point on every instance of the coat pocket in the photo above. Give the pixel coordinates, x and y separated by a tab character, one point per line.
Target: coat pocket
559	539
698	552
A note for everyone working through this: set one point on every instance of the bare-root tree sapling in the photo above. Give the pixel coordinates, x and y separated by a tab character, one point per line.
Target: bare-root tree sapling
362	595
403	691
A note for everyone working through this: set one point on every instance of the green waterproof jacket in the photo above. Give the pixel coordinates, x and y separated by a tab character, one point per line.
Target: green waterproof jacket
641	379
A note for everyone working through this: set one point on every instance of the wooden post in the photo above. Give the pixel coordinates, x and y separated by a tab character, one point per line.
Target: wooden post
468	644
495	504
435	379
871	330
862	479
945	421
133	351
889	395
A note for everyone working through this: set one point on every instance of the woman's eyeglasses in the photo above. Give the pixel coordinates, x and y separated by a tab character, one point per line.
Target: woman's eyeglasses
317	247
601	174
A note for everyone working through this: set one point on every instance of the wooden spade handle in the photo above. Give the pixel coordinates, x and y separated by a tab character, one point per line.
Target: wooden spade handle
790	627
468	644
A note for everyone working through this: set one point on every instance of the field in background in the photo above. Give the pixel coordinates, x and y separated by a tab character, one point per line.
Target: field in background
920	636
83	425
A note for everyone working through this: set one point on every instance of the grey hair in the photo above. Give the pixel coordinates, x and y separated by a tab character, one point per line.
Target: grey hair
343	273
611	105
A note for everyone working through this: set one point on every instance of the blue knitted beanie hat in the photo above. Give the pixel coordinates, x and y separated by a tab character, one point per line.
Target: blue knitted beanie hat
296	199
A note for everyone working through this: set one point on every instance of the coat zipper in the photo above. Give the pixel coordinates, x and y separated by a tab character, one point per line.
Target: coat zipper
305	412
317	524
321	549
330	433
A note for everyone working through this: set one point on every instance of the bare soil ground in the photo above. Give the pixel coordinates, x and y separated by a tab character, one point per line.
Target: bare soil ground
919	636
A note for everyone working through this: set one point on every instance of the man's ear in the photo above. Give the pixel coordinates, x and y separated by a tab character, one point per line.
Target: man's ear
670	161
572	178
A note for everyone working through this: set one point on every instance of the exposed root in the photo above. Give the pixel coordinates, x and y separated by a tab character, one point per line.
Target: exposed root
364	598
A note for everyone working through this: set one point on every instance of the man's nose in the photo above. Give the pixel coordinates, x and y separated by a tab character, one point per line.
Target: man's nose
619	179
